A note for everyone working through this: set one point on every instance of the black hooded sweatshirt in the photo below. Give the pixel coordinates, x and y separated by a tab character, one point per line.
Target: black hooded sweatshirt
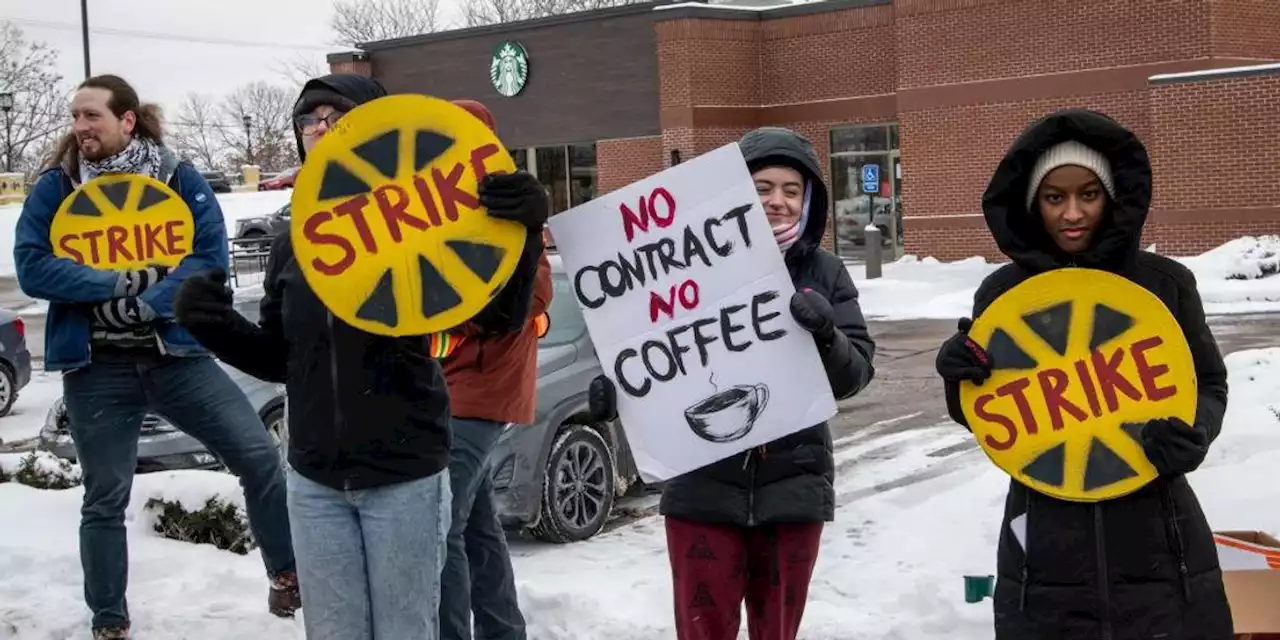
792	478
1144	565
364	410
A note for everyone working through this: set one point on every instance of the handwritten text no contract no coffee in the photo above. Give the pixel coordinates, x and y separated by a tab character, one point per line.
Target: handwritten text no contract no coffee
664	360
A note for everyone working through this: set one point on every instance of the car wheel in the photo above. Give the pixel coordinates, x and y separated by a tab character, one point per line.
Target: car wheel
577	490
8	388
279	430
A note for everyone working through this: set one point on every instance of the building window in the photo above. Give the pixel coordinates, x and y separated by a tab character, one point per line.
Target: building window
854	207
567	172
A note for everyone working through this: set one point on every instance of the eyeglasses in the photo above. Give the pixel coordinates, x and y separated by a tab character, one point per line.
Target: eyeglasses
309	123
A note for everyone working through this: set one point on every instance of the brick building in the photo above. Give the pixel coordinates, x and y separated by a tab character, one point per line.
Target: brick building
929	91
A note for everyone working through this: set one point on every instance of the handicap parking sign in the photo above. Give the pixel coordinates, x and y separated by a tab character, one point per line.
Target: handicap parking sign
870	178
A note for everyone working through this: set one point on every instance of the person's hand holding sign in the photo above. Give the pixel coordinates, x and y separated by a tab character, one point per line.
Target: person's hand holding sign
126	310
517	197
961	359
1173	446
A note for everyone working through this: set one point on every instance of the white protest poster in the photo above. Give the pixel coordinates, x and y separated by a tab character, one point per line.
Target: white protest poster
688	301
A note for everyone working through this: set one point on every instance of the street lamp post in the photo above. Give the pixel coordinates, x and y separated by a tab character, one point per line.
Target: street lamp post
6	105
248	138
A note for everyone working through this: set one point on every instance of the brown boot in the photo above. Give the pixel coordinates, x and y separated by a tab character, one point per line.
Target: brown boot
111	633
284	598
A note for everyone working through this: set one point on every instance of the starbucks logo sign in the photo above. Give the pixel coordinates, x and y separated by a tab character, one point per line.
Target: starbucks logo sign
509	69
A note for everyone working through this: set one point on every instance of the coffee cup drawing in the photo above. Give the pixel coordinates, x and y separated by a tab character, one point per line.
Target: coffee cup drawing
728	415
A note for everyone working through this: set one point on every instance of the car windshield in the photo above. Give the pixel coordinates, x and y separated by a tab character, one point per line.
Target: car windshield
567	323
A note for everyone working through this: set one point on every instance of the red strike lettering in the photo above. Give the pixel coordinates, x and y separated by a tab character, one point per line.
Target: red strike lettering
118	244
1102	385
648	212
687	292
392	203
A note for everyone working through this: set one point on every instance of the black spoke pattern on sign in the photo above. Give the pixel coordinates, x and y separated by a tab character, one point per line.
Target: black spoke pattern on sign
83	205
427	146
482	259
438	295
1049	467
1108	324
117	193
380	306
339	182
1104	467
383	152
1006	354
1134	429
1052	325
151	197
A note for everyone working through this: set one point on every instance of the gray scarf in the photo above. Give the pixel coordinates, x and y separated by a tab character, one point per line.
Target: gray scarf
141	156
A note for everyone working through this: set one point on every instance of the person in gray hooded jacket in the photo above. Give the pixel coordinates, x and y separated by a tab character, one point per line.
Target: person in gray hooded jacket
749	526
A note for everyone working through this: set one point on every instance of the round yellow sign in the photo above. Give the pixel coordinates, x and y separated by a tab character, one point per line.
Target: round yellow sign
387	225
122	222
1080	360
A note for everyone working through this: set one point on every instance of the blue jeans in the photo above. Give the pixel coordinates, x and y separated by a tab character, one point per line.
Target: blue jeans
106	403
369	560
477	575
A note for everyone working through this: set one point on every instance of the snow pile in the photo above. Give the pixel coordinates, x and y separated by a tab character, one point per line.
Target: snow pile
1237	277
39	469
912	288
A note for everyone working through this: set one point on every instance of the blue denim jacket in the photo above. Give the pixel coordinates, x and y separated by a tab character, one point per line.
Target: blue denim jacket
72	288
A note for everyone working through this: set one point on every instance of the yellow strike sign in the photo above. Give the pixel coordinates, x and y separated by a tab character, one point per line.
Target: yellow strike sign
387	225
122	222
1081	359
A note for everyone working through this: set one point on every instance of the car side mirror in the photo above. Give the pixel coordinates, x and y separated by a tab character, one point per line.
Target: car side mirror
543	324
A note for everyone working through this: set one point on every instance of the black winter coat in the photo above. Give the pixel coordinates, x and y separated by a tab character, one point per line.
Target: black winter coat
1144	565
364	410
792	478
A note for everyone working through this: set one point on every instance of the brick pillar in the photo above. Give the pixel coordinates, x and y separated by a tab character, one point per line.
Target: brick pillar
356	62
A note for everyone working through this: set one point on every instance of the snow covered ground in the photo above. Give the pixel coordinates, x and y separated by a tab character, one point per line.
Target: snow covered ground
1232	279
908	527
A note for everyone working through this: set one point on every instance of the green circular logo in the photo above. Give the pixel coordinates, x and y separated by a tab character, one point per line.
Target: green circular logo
509	69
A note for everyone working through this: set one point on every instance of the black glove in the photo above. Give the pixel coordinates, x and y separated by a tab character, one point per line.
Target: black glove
960	358
1173	446
517	197
602	399
133	283
123	313
204	299
814	314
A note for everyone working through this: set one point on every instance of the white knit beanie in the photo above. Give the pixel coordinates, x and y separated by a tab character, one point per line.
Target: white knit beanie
1075	154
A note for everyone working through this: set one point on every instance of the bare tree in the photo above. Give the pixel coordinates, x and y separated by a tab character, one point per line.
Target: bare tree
268	141
196	133
296	71
482	12
40	99
357	21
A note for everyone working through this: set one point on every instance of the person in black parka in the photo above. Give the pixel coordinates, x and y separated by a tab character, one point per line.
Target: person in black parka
1073	191
368	415
749	526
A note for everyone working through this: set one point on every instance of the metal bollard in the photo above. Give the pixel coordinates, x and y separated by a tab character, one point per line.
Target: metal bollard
875	251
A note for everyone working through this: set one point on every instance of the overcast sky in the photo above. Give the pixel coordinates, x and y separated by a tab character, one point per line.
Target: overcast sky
168	48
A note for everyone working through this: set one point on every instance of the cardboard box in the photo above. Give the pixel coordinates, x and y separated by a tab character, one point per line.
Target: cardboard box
1251	572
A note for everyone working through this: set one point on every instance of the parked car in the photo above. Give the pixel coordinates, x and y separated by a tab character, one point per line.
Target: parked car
282	180
161	446
217	180
264	227
558	478
15	359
